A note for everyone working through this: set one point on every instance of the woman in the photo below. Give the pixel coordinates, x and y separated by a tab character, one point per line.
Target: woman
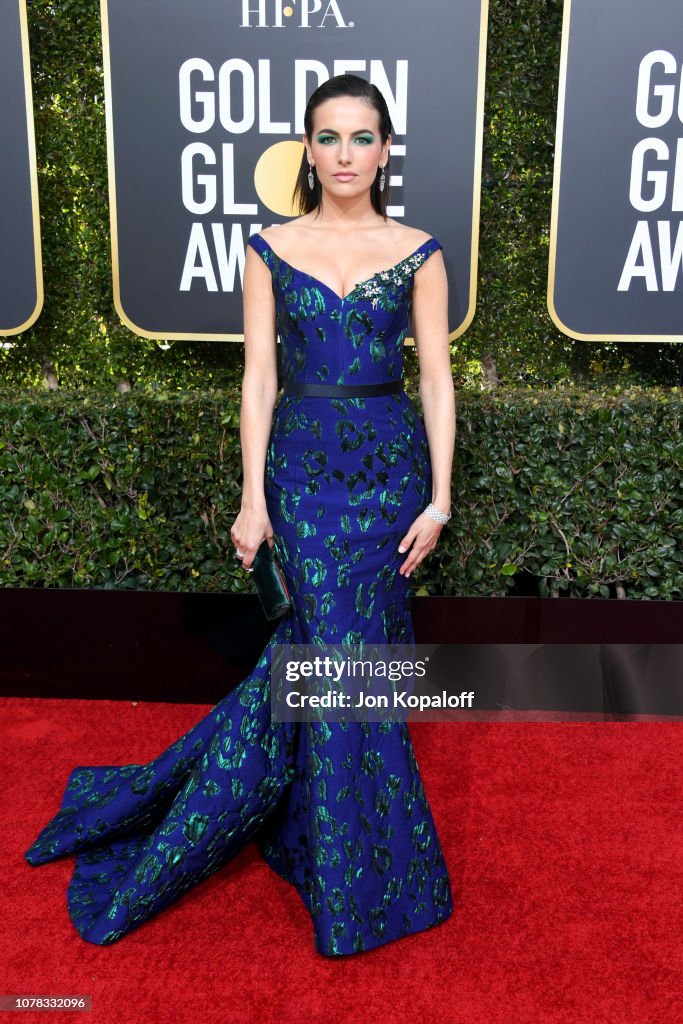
342	237
338	478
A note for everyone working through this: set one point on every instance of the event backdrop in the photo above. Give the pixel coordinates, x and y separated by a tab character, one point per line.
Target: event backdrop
205	104
616	246
21	276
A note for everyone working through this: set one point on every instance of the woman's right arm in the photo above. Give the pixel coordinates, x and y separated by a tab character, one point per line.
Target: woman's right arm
259	393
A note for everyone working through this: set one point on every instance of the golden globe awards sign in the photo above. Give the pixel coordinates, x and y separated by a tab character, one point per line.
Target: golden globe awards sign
205	104
21	284
616	247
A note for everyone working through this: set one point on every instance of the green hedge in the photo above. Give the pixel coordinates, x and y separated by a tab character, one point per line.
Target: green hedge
579	493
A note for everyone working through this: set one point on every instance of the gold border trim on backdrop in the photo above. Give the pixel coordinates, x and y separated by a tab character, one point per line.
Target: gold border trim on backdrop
476	197
478	150
33	172
111	179
554	316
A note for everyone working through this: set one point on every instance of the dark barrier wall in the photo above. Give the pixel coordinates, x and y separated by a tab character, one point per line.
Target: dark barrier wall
21	287
616	256
587	658
205	107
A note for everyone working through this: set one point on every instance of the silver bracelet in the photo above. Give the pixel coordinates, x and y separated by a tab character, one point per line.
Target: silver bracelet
434	513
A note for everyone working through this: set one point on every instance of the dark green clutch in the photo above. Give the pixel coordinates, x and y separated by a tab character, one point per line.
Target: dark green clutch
270	583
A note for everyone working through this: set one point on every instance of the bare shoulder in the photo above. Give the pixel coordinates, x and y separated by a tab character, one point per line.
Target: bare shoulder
269	235
287	232
406	236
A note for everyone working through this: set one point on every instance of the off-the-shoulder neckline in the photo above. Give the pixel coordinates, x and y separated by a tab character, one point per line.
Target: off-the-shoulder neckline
359	284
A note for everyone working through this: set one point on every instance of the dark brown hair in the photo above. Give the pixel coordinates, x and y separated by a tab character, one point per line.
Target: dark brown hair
342	85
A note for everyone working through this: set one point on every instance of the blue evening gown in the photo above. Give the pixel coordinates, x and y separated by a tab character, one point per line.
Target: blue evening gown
338	809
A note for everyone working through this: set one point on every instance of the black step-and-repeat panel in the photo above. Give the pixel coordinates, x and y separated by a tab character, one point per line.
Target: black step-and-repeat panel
21	282
205	105
616	248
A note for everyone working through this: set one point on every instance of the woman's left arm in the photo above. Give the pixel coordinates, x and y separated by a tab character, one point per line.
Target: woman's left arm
430	330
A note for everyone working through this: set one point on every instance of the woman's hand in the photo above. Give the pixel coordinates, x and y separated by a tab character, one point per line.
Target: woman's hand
423	536
250	528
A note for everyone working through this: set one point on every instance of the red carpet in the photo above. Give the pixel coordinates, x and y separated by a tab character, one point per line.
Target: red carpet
563	841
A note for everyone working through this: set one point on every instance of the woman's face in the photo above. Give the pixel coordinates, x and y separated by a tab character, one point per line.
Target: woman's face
346	146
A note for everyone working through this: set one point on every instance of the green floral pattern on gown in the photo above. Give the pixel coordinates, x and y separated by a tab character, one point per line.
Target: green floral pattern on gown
338	809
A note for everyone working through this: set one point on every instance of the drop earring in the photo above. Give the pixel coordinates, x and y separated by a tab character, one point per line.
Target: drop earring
311	182
382	180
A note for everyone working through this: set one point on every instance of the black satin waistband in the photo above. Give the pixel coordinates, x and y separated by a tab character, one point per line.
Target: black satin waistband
387	387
